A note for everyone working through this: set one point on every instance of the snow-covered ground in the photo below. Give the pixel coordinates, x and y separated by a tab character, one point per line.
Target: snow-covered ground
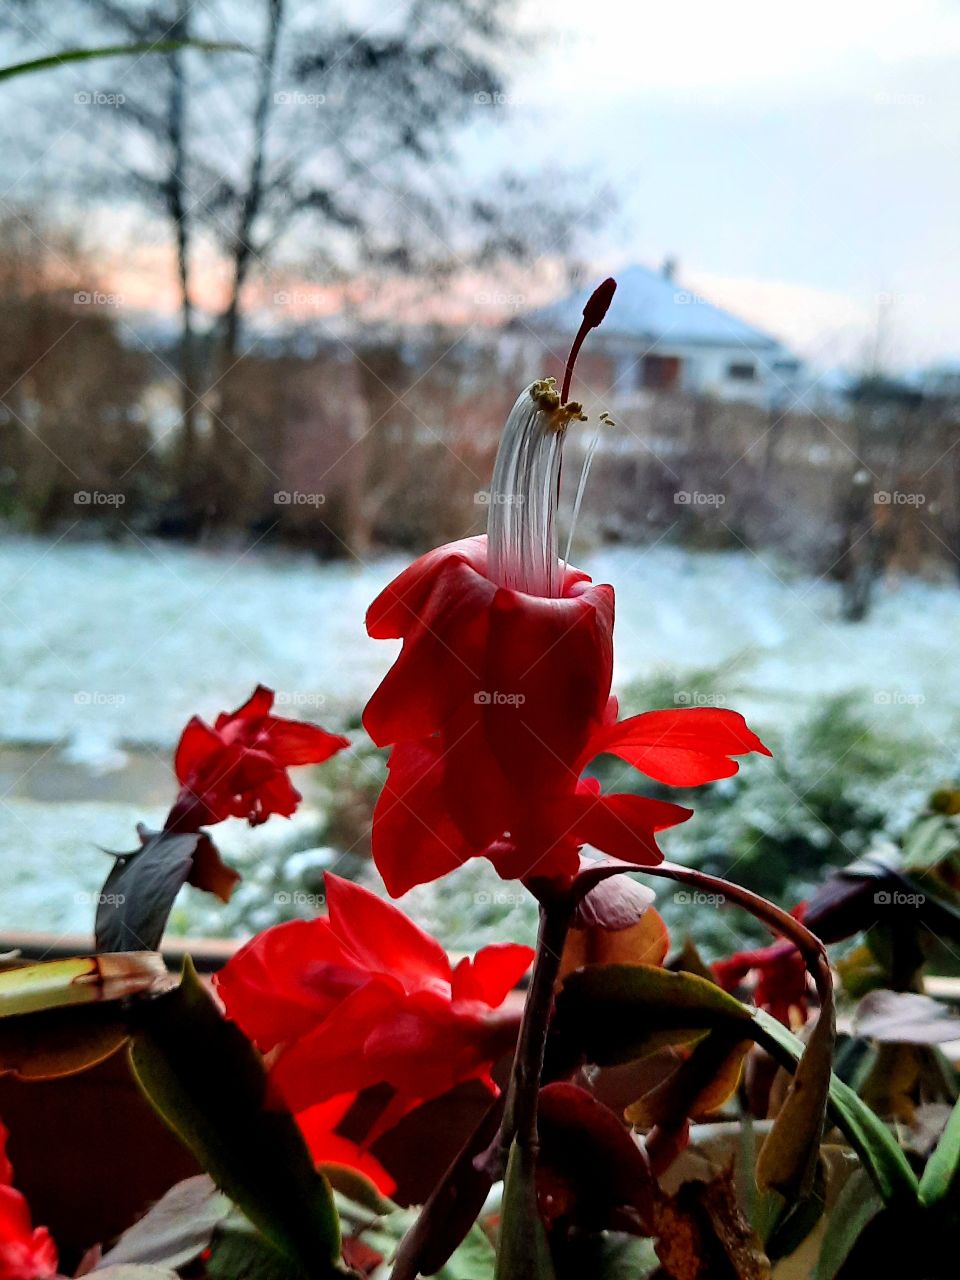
107	644
107	650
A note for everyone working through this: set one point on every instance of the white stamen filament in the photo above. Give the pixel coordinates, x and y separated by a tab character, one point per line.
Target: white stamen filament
522	522
584	475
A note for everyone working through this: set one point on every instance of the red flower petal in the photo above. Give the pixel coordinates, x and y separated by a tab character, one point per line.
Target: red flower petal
546	678
271	987
414	838
318	1124
683	748
26	1252
440	664
259	796
625	825
492	974
397	608
257	705
331	1058
379	937
197	744
292	742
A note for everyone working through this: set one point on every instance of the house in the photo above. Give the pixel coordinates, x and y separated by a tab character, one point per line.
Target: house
661	337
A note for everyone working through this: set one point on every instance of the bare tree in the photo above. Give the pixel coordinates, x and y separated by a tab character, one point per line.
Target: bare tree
324	149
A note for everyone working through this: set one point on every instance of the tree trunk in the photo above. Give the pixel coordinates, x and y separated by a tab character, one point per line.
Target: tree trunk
186	467
229	463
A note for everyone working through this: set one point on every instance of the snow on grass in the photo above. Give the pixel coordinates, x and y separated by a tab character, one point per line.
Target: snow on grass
112	646
106	643
53	864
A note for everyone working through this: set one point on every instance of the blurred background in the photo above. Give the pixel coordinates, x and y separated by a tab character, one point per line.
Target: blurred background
265	305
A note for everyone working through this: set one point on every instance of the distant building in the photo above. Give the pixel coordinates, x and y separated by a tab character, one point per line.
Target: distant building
660	337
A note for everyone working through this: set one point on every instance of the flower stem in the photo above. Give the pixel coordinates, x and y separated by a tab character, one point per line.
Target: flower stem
520	1114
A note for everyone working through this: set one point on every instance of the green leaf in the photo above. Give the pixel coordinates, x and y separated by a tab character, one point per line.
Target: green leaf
879	1152
608	1012
474	1259
940	1184
135	1271
785	1224
617	1013
137	49
855	1208
522	1250
357	1188
788	1170
79	980
929	842
139	892
238	1253
208	1083
63	1016
905	1017
610	1255
137	895
176	1229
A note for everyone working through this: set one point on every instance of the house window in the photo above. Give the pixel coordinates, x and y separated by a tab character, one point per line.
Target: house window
742	371
660	373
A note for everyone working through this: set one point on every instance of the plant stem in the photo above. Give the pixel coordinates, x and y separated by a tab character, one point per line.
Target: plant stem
520	1114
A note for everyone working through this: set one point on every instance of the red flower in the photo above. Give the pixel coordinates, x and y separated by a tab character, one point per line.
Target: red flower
497	702
364	997
781	980
238	768
318	1125
26	1252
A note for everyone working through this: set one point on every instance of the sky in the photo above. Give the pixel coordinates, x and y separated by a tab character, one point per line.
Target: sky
800	162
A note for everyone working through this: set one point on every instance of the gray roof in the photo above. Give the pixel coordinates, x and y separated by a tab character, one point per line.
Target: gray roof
650	305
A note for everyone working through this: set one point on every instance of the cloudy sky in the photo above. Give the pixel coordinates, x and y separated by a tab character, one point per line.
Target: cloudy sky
801	162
